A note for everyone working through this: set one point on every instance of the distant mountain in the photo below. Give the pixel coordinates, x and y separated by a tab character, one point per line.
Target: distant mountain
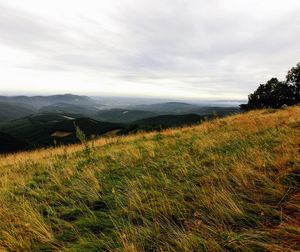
167	107
186	108
40	101
122	115
41	121
10	111
69	108
19	106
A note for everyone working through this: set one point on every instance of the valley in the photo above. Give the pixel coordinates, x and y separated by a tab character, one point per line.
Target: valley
43	121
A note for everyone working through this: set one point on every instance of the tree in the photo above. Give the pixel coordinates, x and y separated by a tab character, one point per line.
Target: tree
293	79
275	94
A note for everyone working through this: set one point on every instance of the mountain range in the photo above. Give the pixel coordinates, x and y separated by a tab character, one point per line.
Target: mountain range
39	121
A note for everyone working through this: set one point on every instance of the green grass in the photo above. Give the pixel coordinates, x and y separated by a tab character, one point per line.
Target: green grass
227	185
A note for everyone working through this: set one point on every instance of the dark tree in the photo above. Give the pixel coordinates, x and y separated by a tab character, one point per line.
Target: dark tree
293	79
275	94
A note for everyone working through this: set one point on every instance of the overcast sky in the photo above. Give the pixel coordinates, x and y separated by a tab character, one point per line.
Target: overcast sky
216	49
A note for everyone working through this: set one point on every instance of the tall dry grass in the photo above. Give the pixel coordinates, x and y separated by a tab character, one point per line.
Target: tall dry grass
231	184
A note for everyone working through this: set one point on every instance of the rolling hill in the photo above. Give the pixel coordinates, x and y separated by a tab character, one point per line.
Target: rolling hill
167	107
167	121
10	111
231	184
15	107
90	127
161	122
220	111
69	108
186	108
122	115
40	101
47	129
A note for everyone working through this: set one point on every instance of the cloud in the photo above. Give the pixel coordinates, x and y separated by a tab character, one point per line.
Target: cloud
196	48
18	29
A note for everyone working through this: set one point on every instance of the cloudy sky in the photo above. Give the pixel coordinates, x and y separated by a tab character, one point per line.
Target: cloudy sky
216	49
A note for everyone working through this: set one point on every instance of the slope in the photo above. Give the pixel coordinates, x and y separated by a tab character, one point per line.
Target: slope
186	108
69	108
40	101
42	130
10	144
122	115
10	111
231	184
167	121
167	107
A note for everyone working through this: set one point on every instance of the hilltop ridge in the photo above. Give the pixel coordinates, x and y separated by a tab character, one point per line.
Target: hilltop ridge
231	184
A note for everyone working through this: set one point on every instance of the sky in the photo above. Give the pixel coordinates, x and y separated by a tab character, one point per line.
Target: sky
216	49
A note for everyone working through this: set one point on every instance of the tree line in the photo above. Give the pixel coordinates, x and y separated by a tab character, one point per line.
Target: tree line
275	93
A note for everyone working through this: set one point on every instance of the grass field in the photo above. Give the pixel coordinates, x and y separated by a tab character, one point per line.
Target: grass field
232	184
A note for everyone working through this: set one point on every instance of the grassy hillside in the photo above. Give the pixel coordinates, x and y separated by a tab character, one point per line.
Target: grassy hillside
232	184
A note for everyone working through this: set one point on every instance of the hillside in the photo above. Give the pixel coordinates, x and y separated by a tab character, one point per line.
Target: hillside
10	111
42	130
186	108
10	144
69	108
232	184
89	126
122	115
40	101
49	129
221	111
166	121
111	110
167	107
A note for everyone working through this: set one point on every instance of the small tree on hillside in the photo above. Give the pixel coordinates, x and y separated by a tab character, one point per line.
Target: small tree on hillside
275	94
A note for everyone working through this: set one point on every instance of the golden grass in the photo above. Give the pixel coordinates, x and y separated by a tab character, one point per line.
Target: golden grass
231	184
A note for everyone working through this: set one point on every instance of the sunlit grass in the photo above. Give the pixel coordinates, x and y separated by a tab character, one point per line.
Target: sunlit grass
231	184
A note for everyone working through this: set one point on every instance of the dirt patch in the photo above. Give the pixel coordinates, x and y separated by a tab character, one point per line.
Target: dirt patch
61	134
